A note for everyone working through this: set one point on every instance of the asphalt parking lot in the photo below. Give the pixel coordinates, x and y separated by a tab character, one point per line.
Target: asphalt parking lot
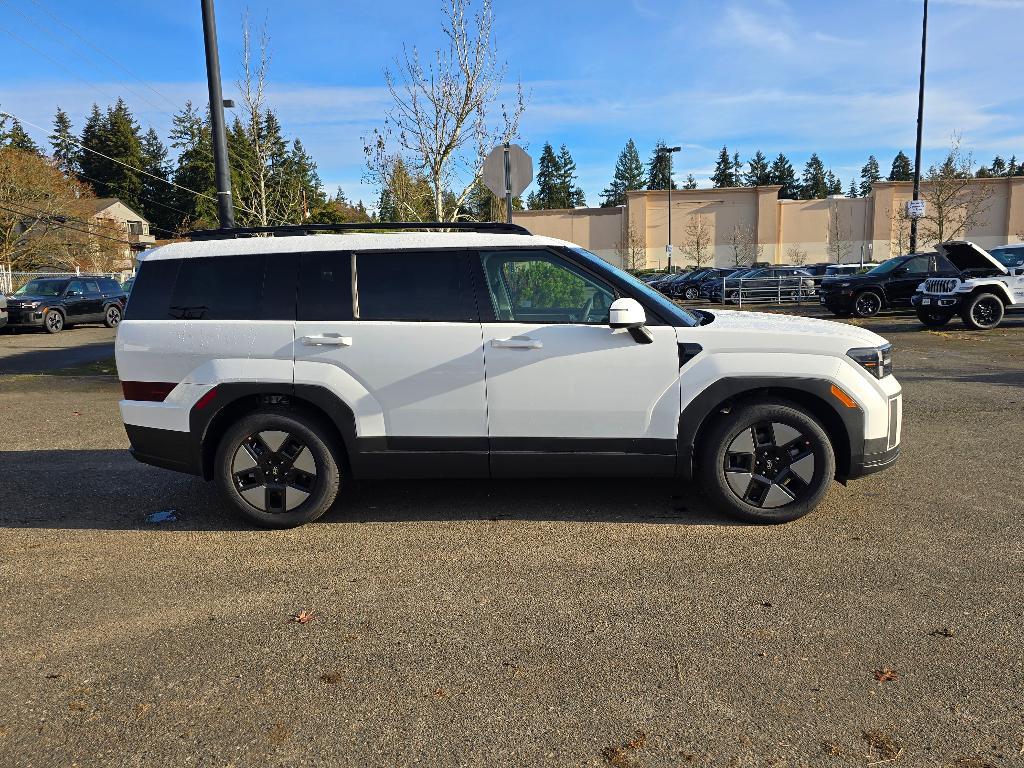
563	623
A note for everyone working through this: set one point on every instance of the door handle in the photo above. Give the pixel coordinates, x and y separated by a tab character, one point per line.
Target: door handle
517	342
327	340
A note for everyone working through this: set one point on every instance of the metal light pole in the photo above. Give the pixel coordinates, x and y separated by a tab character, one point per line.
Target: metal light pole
920	125
225	207
668	246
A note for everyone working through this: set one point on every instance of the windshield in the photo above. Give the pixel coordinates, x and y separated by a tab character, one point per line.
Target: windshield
673	312
1009	256
887	266
42	288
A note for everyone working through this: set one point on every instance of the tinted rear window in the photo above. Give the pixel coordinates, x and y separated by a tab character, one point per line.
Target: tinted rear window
325	286
415	286
250	287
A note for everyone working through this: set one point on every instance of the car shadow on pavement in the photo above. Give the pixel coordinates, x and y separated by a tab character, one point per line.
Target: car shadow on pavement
108	490
49	359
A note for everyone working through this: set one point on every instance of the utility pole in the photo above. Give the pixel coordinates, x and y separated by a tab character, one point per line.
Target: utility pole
225	206
668	246
920	125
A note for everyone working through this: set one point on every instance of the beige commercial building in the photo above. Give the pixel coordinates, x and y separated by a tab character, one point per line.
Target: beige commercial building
755	222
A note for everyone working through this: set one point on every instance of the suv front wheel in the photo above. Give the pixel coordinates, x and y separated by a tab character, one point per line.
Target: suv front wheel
277	469
768	462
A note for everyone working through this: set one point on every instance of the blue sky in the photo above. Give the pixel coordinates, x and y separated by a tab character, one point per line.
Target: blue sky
796	76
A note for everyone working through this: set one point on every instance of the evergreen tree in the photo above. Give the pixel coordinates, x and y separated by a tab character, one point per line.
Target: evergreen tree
15	137
691	183
782	173
155	191
723	175
112	166
1013	169
998	166
190	136
629	175
737	170
814	183
852	191
548	175
62	140
571	195
869	174
758	173
833	184
901	170
659	170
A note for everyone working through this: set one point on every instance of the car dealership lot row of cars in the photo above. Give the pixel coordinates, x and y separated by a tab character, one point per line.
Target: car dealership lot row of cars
958	279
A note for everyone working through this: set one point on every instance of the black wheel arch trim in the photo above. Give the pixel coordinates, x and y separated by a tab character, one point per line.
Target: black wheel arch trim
845	426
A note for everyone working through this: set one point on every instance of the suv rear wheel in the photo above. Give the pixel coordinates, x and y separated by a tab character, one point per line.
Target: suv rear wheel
768	462
112	317
277	469
983	312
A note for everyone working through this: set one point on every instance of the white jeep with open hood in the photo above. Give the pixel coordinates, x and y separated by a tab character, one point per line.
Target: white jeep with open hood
990	284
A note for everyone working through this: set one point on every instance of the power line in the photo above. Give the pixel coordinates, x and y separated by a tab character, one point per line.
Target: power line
57	64
103	53
38	26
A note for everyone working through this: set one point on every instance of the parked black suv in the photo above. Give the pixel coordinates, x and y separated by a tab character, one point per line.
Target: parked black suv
54	303
891	284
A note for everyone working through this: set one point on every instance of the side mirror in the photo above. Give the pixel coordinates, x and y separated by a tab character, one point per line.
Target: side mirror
901	271
626	313
629	314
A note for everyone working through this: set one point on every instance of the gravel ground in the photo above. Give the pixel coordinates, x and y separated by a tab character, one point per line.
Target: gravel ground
615	623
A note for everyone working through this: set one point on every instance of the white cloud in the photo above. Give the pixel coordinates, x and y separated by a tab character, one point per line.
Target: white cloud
741	25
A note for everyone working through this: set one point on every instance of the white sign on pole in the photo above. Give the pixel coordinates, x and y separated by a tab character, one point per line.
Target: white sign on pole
668	249
916	209
520	170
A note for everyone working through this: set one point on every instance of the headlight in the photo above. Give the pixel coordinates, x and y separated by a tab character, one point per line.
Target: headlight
875	360
33	304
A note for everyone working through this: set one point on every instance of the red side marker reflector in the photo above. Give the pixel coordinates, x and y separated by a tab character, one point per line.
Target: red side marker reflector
843	398
205	400
150	391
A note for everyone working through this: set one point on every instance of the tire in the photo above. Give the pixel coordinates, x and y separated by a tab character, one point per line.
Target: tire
933	318
690	294
112	316
768	462
53	321
983	312
292	447
867	304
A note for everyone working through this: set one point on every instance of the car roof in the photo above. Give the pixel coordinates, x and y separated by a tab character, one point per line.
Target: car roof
391	241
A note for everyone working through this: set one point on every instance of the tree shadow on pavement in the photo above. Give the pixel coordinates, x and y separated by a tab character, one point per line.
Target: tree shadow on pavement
108	490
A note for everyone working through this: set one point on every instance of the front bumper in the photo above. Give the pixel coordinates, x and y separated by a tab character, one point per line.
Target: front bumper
946	302
19	317
837	301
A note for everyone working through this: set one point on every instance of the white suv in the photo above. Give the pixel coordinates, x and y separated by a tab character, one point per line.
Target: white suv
282	367
990	284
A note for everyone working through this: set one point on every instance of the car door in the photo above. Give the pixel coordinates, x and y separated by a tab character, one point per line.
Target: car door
905	279
93	309
397	335
76	302
567	395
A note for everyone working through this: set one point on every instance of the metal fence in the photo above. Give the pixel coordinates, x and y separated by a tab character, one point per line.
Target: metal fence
11	281
796	289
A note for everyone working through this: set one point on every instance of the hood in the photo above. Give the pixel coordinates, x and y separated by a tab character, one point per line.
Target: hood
966	255
26	297
763	330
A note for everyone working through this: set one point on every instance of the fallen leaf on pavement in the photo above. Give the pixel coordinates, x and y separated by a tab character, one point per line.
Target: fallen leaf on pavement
302	617
886	674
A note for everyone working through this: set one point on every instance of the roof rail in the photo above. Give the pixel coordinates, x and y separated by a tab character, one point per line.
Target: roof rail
293	230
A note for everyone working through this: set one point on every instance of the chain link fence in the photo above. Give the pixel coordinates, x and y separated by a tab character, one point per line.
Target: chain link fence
11	281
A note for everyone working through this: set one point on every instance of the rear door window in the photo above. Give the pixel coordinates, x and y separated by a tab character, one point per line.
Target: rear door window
424	286
325	286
